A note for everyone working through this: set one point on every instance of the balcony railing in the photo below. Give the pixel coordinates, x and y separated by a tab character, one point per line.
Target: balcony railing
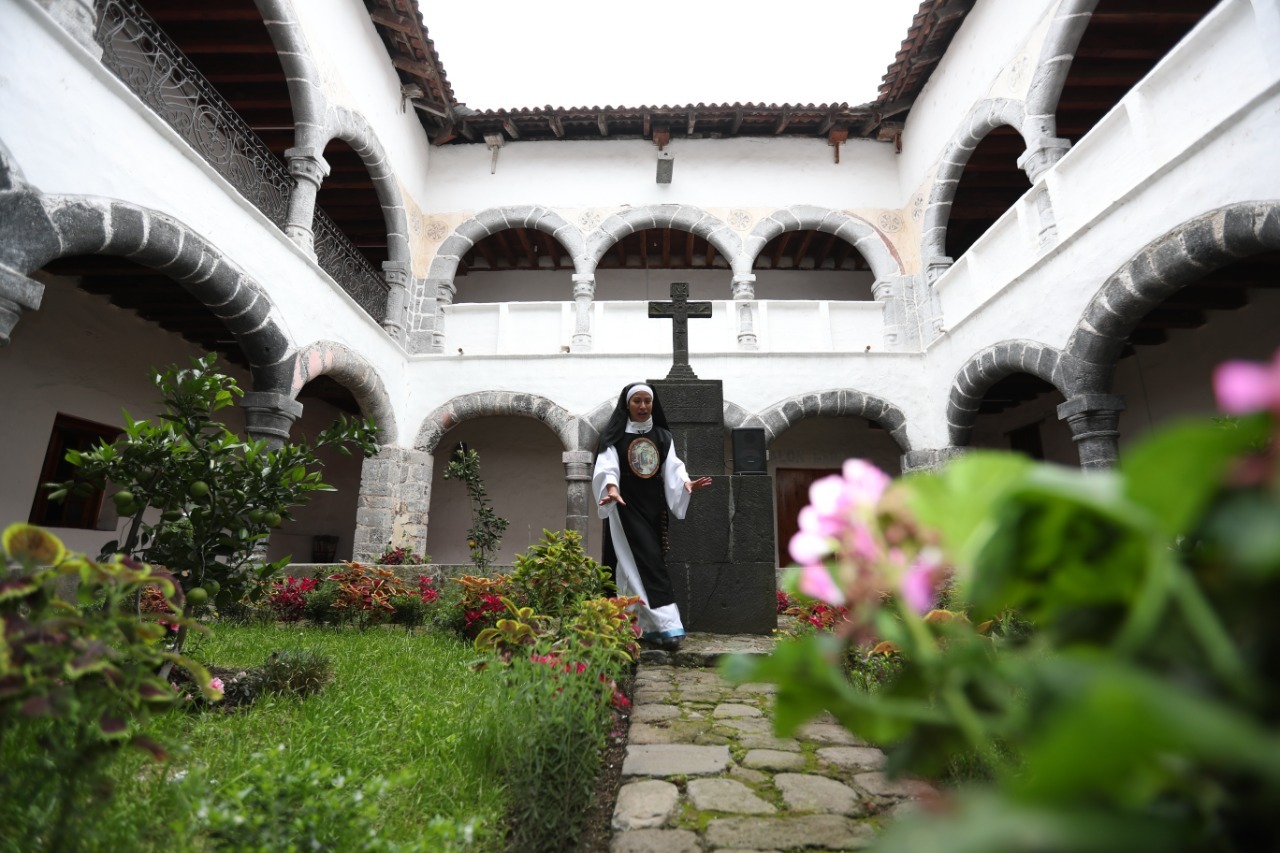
140	54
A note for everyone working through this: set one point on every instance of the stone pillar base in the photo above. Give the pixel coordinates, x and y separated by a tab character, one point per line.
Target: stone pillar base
1095	427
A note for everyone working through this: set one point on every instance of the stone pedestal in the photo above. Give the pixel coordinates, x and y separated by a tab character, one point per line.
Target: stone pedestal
721	556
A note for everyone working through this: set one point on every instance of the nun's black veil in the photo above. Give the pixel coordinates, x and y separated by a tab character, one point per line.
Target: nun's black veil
618	420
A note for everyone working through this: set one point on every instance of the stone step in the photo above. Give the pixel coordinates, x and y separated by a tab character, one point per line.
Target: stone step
704	650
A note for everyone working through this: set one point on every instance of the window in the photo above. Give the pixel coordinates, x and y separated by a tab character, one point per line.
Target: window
74	510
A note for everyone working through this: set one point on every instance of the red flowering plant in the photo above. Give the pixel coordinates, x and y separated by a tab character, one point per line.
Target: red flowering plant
287	597
401	556
480	605
1133	697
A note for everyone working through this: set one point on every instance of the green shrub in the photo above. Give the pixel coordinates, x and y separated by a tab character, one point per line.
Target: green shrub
555	575
318	605
299	672
77	681
548	739
274	805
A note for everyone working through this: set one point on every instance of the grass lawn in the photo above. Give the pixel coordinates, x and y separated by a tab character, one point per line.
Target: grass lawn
401	706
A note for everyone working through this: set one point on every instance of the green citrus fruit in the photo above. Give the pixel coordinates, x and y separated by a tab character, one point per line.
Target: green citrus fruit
273	519
172	515
197	596
212	587
123	497
256	516
199	489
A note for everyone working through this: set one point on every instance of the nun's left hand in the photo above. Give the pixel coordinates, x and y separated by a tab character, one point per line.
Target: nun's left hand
700	483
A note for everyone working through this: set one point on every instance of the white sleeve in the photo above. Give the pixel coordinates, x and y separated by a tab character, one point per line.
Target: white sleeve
674	476
606	473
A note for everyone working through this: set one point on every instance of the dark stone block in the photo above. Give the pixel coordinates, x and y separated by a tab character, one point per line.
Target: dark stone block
1096	349
1201	244
726	598
128	230
698	401
217	288
28	239
163	243
703	535
266	347
751	519
81	226
701	448
252	318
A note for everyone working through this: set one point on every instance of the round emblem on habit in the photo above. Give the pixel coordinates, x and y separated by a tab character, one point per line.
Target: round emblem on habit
642	456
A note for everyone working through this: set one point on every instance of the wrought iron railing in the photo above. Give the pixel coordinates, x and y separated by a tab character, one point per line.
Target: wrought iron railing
139	53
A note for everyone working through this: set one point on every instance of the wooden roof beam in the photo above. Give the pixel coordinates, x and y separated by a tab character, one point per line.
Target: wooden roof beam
688	248
824	251
802	249
666	248
602	121
500	237
530	251
780	249
510	127
556	127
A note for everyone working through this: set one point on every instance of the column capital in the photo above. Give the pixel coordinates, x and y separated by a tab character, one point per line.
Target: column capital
269	415
17	294
934	269
306	164
1094	420
584	286
931	459
1041	154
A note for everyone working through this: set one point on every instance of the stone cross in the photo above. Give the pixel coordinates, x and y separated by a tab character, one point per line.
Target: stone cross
681	311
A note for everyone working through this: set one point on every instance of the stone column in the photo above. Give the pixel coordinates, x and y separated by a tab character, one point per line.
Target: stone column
78	19
444	290
929	460
1095	427
744	294
17	294
309	170
396	274
577	475
892	293
584	294
395	491
268	416
1041	154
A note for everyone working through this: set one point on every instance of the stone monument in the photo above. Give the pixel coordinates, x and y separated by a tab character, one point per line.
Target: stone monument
721	557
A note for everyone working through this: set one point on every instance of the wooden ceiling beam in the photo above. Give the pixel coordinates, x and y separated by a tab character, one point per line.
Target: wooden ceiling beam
483	247
802	249
530	251
711	254
688	249
504	245
842	254
510	127
620	249
824	251
780	249
556	127
602	121
392	21
550	248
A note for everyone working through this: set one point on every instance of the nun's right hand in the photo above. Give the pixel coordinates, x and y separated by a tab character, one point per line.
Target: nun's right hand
611	496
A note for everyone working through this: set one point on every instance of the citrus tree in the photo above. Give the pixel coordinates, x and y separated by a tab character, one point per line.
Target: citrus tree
195	496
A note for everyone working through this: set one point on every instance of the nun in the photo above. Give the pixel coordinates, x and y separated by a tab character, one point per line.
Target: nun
639	479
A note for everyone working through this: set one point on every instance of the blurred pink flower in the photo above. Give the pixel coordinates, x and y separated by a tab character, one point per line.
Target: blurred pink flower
811	521
865	483
816	582
1243	387
215	684
808	547
919	584
827	496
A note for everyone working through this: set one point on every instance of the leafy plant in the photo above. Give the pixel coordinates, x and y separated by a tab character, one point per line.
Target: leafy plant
480	604
287	597
556	574
507	636
400	557
607	624
216	494
485	534
1106	660
77	679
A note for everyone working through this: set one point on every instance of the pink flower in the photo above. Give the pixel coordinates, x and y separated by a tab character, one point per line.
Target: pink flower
809	547
864	482
919	583
816	582
827	496
1243	387
215	684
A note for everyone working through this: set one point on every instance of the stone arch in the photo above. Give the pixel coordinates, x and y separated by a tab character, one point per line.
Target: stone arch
355	373
495	219
305	82
855	231
834	402
989	366
681	217
1066	29
39	228
1180	257
983	118
567	426
353	129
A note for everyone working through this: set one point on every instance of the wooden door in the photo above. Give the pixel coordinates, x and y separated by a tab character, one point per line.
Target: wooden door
792	487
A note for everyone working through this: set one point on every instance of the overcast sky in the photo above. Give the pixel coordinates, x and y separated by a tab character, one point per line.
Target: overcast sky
573	53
